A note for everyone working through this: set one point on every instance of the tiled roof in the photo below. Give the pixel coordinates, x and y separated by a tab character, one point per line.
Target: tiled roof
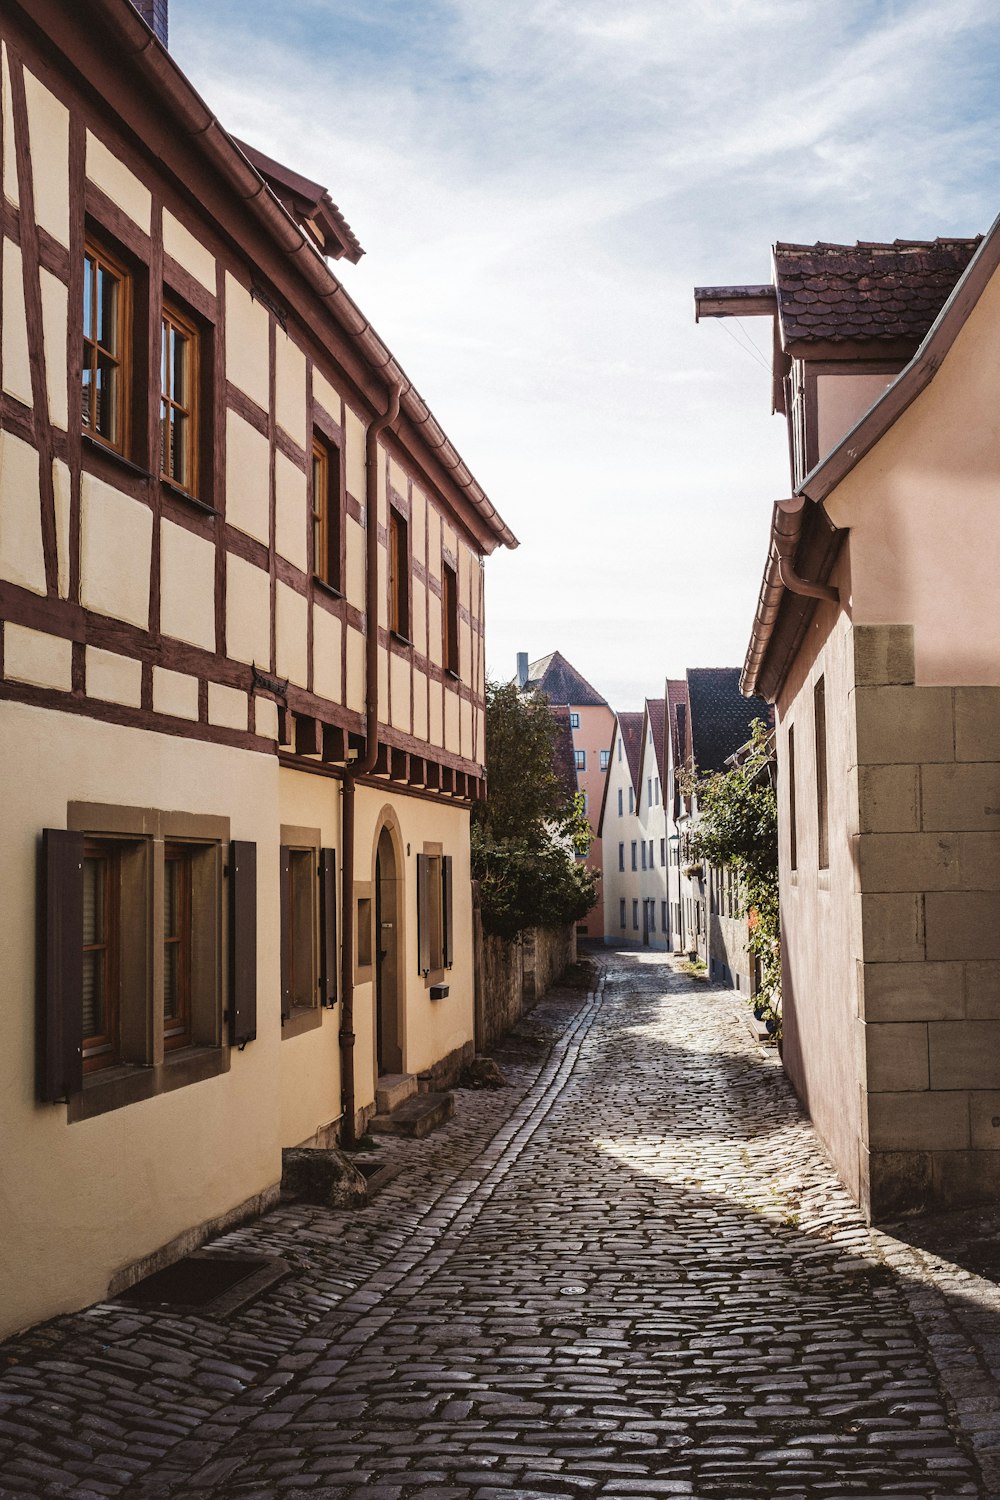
562	683
630	725
309	204
657	711
866	291
721	717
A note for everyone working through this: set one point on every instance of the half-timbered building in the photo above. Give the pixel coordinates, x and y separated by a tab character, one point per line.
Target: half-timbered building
241	671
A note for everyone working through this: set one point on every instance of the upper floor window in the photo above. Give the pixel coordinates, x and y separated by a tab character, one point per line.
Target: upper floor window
574	720
605	759
635	854
631	800
179	400
106	373
621	802
621	856
326	512
399	574
822	807
449	618
580	759
793	839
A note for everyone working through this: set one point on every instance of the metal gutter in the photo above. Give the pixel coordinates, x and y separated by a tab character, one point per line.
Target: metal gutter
870	428
192	115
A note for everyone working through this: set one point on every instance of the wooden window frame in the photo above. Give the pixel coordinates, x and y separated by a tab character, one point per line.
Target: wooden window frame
327	513
309	939
579	760
100	1049
172	317
97	252
435	914
622	913
398	541
177	1028
449	619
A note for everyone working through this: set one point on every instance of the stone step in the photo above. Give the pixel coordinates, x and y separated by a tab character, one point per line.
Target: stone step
415	1117
392	1090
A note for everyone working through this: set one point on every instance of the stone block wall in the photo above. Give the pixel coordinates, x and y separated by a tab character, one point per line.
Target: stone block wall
927	857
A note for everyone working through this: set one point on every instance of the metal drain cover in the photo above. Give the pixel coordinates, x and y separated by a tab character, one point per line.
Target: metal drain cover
211	1282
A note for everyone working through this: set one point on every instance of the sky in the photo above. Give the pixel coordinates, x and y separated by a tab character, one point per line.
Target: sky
539	185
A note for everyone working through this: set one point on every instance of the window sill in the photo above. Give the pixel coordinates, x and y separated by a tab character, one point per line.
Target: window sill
95	445
302	1018
114	1088
452	676
180	493
402	640
329	589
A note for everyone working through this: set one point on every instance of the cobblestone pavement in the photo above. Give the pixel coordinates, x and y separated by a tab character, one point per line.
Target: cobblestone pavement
630	1274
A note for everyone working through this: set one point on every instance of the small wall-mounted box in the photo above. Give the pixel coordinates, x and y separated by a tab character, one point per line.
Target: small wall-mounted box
439	991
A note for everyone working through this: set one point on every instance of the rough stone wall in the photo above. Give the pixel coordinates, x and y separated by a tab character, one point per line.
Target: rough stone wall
928	863
514	976
549	951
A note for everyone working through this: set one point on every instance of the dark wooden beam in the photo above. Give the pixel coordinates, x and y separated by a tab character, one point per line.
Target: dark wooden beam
307	735
734	302
399	765
334	742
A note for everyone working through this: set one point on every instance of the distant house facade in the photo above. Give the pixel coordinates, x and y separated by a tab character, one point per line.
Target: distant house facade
241	672
875	640
591	722
619	829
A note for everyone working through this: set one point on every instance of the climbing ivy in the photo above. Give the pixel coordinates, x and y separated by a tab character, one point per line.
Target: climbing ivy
738	826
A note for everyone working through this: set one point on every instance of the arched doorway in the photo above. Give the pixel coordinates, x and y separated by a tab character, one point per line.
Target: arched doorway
388	1030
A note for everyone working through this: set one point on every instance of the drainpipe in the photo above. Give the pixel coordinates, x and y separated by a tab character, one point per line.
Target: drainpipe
786	530
360	767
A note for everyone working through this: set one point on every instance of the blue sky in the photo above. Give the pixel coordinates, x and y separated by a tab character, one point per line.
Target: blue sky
539	184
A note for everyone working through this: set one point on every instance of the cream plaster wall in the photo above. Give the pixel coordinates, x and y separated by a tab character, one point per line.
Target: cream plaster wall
116	539
291	519
14	330
187	586
61	494
10	186
113	678
183	1157
327	653
922	510
248	478
175	693
354	457
55	321
399	694
248	611
48	133
227	707
120	184
432	1028
35	657
247	338
291	640
22	560
840	401
355	581
325	395
189	252
618	828
290	387
355	693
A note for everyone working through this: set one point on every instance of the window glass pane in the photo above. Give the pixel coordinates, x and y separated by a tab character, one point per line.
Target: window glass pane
178	367
106	398
107	310
88	297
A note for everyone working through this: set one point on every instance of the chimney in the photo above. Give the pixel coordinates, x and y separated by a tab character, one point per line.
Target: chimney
154	13
522	669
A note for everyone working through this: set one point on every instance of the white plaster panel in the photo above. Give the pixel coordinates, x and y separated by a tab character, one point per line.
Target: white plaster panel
61	490
355	669
248	478
291	520
383	679
9	154
418	612
48	133
418	524
290	387
465	726
436	710
433	542
175	693
22	560
435	645
55	321
327	637
292	623
266	718
451	722
116	542
326	396
248	612
14	333
382	505
227	707
180	243
420	705
398	479
355	580
35	657
121	184
247	356
383	587
187	586
354	459
114	678
399	669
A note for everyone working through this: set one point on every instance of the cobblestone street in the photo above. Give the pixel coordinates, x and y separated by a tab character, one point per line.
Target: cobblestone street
631	1273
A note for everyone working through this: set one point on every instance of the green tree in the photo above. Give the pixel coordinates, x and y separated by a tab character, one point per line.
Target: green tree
528	833
738	825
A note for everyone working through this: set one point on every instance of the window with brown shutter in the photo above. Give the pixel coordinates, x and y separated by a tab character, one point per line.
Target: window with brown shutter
326	513
449	619
399	575
308	930
435	913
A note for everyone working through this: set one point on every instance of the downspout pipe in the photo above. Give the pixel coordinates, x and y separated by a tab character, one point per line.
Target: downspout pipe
787	529
360	767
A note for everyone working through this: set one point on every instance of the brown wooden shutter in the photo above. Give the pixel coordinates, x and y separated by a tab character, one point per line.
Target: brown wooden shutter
328	927
60	965
423	915
285	900
447	913
242	942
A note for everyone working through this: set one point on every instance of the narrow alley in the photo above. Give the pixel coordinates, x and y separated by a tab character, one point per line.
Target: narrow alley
631	1273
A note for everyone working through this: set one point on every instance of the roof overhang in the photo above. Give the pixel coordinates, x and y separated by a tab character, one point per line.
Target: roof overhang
734	302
